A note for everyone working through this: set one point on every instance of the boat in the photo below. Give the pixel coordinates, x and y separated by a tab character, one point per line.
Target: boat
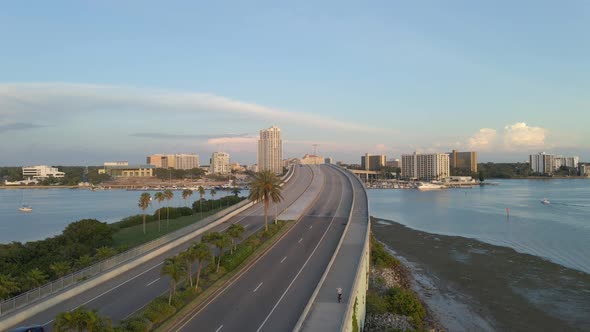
25	208
429	186
545	201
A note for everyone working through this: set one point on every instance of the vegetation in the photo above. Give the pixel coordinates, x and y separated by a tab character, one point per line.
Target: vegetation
168	194
144	202
186	193
504	170
73	176
82	319
174	268
380	258
159	196
166	174
265	187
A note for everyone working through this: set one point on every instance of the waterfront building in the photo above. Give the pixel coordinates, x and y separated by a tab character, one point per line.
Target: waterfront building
430	166
270	150
310	159
328	160
253	168
41	172
584	170
174	161
372	162
542	163
466	161
219	163
123	169
569	162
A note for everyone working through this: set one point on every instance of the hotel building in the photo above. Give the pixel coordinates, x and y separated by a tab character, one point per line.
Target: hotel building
431	166
372	162
270	150
175	161
542	163
463	160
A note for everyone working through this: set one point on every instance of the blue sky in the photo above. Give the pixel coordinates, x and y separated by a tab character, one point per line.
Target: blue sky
83	82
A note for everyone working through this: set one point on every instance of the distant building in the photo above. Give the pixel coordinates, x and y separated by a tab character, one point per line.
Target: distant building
42	172
219	163
174	161
431	166
253	168
396	163
542	163
126	170
584	170
116	163
291	161
372	162
235	167
310	159
328	160
270	150
463	160
569	162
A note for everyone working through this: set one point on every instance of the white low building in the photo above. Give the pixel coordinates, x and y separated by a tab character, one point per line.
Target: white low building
42	172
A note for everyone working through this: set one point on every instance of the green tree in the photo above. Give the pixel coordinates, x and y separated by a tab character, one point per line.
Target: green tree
201	195
235	231
174	268
210	239
203	254
160	197
103	253
189	256
169	195
221	243
60	268
236	191
265	187
213	192
481	179
84	261
81	319
7	286
186	193
35	278
144	202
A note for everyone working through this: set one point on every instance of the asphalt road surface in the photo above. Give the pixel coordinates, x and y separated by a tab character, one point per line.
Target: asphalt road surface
271	295
129	292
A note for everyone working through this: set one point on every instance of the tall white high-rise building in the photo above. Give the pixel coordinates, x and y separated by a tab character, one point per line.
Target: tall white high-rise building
219	163
542	163
428	166
270	150
570	162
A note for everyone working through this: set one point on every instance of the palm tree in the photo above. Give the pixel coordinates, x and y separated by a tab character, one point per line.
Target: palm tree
265	187
81	319
144	202
213	193
7	286
60	268
189	256
221	243
66	321
202	253
235	231
186	193
201	195
168	194
236	191
173	267
103	253
160	198
35	278
84	261
210	239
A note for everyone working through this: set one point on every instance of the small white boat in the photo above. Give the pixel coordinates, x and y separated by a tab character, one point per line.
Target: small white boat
545	201
25	208
429	186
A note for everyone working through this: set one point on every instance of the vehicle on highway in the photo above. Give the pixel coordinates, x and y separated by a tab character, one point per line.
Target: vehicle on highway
36	328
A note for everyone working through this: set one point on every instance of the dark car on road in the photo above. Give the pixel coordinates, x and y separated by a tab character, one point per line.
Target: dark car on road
36	328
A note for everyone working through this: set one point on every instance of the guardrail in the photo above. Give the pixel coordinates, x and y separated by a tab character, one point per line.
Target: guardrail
54	287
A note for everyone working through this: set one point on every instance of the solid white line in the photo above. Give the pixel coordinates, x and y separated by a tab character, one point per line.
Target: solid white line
300	270
48	323
246	226
255	289
152	282
282	260
301	239
219	328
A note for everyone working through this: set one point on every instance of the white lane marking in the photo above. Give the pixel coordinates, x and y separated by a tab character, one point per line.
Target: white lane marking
255	289
48	323
152	282
282	260
219	328
300	270
301	239
310	227
246	226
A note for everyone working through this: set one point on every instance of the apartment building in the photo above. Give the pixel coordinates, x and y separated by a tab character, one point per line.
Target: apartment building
270	150
372	162
430	166
463	160
219	163
174	161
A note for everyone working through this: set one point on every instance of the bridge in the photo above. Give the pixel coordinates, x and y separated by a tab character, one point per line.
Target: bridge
292	286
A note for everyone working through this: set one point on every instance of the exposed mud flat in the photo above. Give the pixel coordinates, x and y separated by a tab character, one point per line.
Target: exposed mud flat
471	285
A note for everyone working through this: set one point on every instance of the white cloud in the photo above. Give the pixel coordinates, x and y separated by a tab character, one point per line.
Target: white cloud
483	139
22	100
520	135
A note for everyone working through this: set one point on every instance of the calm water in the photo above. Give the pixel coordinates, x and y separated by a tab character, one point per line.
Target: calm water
54	209
559	231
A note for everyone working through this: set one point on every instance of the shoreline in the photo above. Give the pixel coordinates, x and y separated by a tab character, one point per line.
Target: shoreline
472	285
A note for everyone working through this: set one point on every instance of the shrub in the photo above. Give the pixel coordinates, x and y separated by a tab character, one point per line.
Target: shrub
158	311
376	304
380	258
405	302
132	221
243	251
136	324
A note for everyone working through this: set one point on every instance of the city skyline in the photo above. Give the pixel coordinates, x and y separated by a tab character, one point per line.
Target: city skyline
84	83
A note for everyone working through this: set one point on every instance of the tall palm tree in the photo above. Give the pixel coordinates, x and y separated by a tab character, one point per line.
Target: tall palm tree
160	198
35	278
236	191
7	286
173	267
213	193
186	193
60	268
202	253
201	195
81	319
144	202
235	231
210	239
265	187
221	243
189	256
168	194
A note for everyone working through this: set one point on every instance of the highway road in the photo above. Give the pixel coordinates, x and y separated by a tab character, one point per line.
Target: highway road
127	293
272	293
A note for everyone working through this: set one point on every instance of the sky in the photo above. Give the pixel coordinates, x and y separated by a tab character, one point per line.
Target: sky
84	82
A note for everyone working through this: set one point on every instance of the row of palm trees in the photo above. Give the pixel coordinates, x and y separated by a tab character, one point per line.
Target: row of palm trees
181	265
81	319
